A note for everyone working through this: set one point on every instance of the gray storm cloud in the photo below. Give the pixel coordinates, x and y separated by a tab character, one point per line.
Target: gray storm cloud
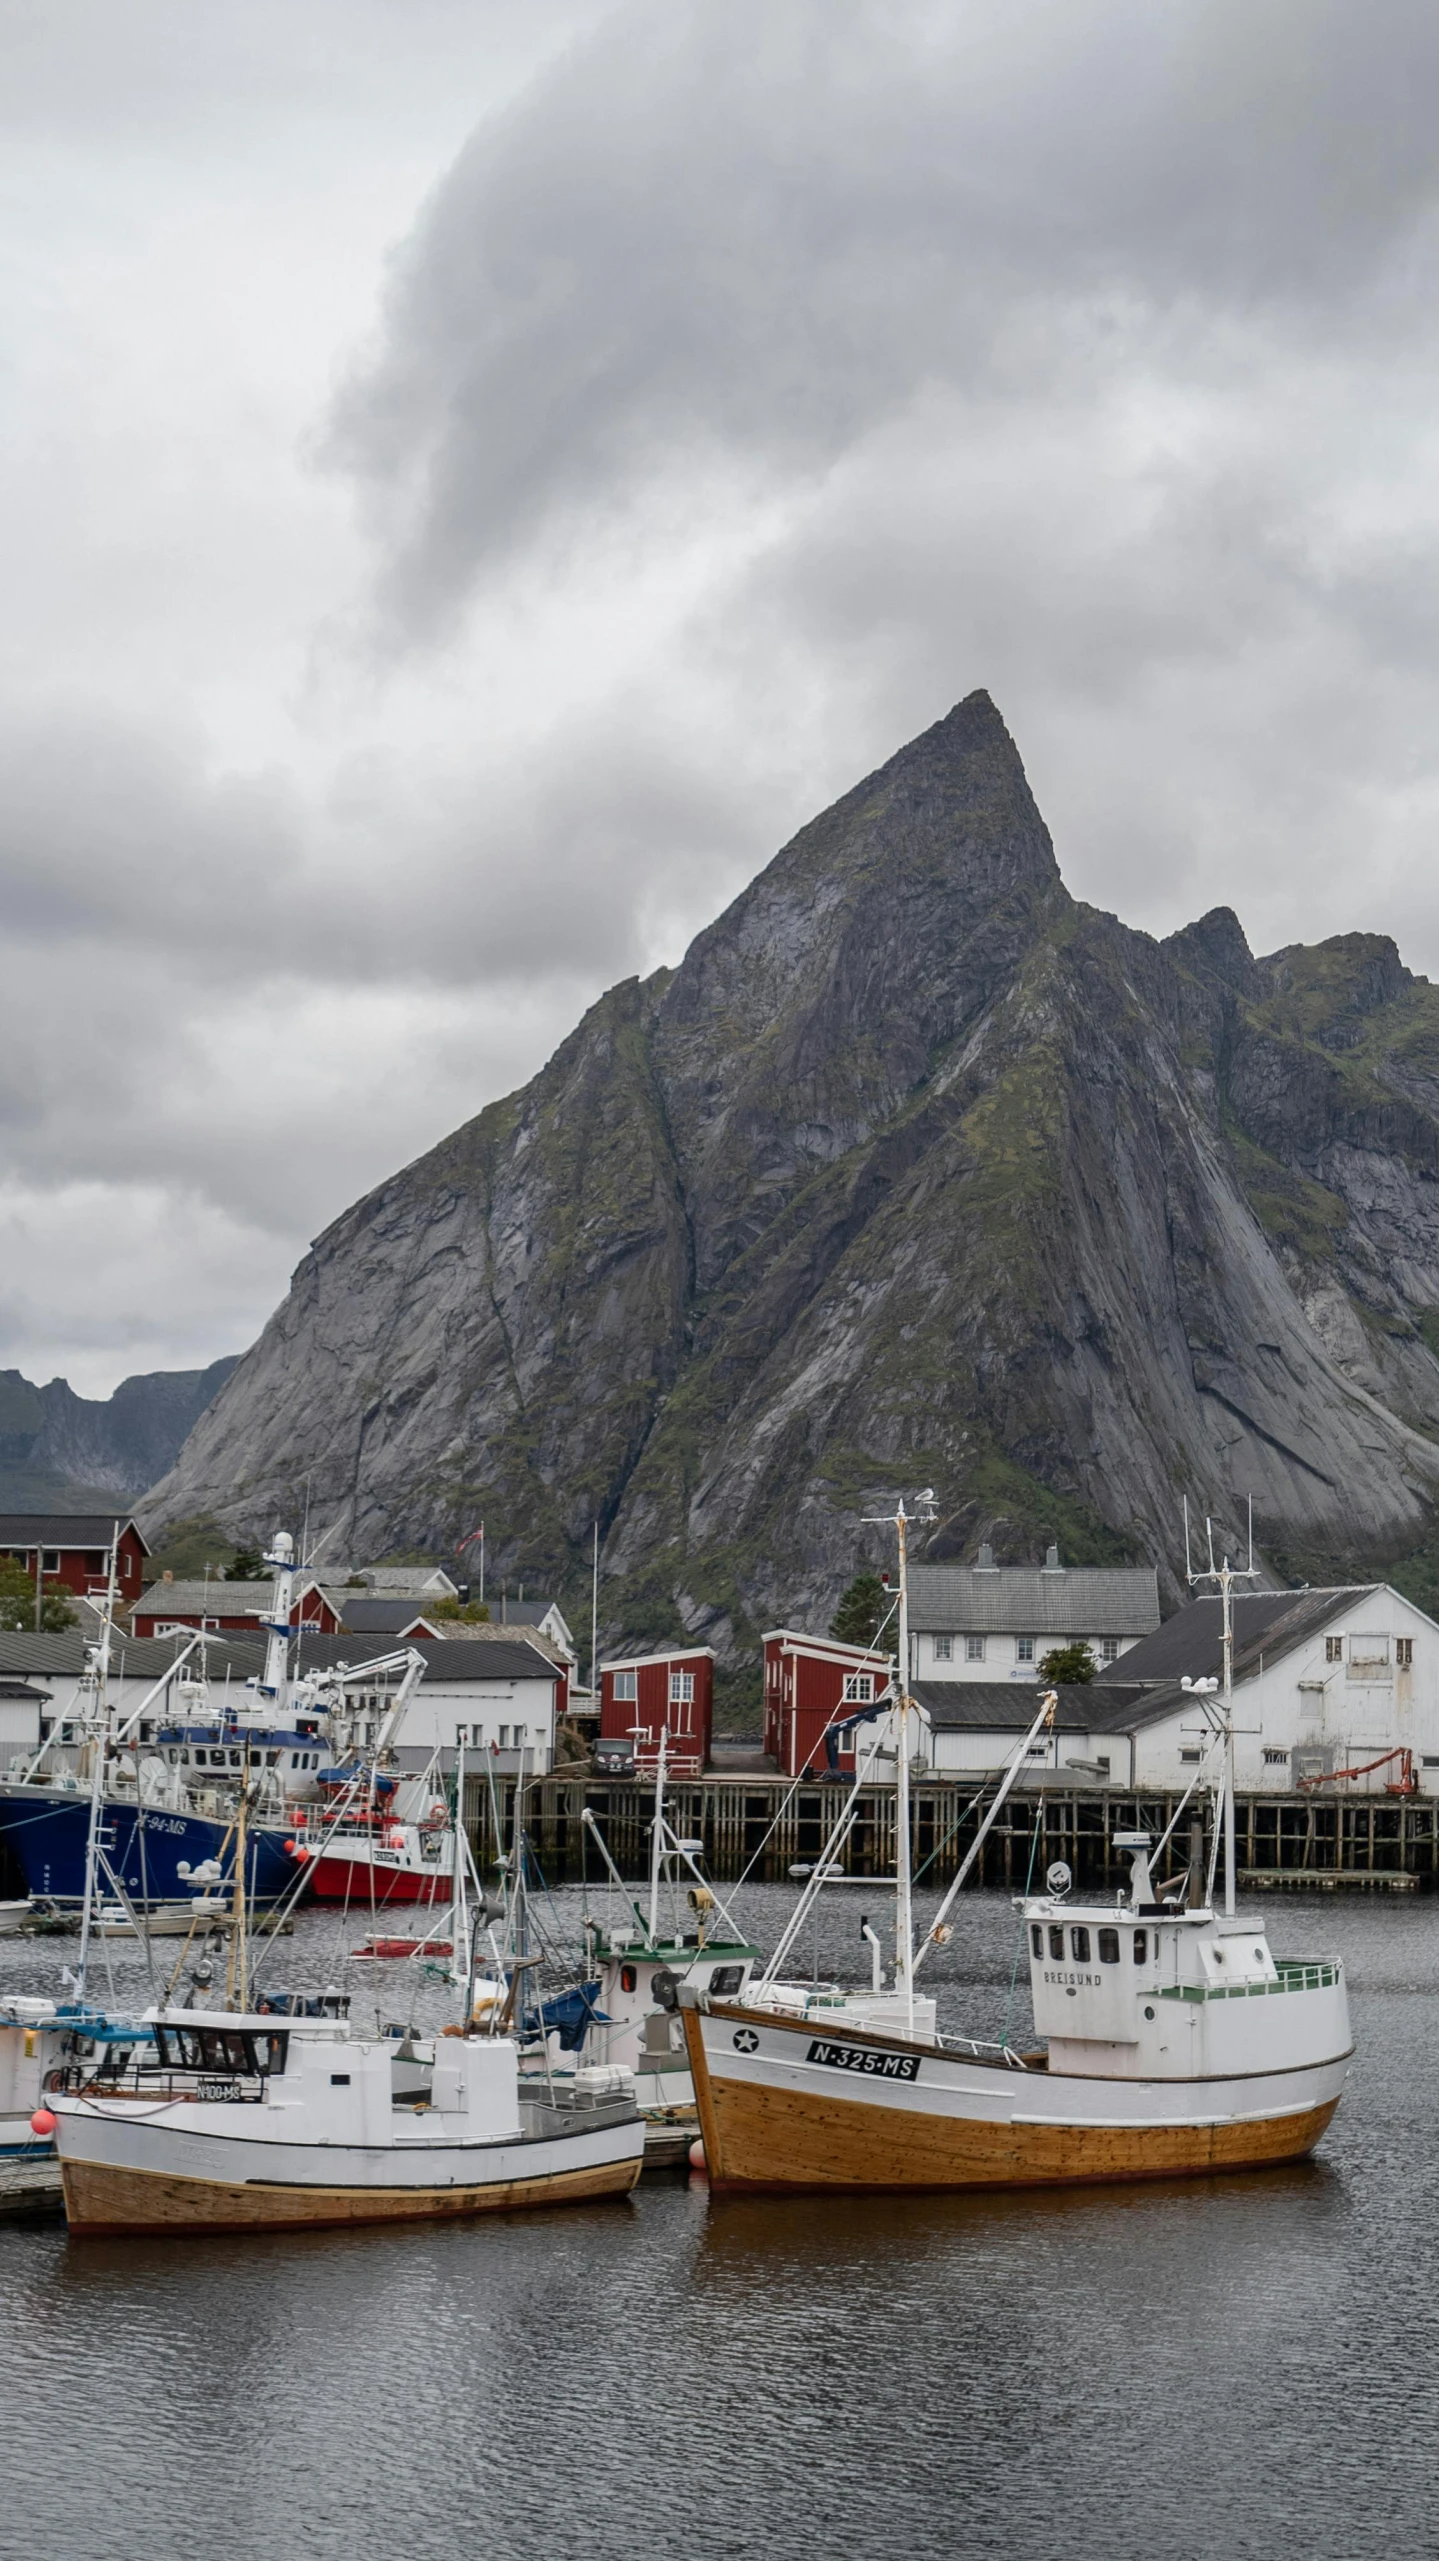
766	236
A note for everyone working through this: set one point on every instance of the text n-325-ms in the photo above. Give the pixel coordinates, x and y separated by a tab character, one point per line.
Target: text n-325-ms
864	2059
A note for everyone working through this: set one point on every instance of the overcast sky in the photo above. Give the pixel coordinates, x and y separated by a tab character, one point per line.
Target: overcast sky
479	473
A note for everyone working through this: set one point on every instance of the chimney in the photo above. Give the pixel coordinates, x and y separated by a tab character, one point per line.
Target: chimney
167	1576
1051	1561
986	1563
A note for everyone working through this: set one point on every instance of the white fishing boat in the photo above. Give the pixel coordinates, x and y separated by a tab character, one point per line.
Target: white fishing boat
265	2116
253	2123
1174	2041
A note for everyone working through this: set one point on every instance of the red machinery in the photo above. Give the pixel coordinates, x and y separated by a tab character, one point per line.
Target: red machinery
1406	1784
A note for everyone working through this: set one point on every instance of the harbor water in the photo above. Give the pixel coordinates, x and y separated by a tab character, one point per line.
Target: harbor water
1227	2367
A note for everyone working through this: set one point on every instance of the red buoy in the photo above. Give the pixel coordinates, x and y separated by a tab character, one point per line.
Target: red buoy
42	2122
290	1849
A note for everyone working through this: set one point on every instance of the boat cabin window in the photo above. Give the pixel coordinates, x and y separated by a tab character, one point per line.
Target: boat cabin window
271	1759
726	1981
219	2049
1109	1947
1079	1946
1036	1938
1056	1943
1141	1947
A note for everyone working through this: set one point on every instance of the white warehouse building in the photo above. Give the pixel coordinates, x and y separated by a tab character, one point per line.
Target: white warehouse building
1335	1688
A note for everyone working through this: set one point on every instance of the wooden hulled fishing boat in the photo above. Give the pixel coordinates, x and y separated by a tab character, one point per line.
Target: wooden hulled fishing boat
1174	2041
256	2123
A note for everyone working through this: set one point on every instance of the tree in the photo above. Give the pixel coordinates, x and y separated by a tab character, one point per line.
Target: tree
247	1565
1068	1663
469	1613
862	1611
17	1601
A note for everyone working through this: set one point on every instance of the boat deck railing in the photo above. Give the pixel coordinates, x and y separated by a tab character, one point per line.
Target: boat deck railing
1294	1974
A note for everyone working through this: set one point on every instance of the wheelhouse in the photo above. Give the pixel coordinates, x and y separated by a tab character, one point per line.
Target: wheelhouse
236	2053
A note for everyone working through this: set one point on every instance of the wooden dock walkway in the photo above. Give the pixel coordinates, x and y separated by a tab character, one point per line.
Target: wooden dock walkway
761	1827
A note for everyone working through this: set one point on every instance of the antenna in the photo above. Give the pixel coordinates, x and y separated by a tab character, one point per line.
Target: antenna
1188	1559
1226	1576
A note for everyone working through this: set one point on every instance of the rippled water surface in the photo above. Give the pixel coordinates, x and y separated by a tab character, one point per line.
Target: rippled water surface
1228	2367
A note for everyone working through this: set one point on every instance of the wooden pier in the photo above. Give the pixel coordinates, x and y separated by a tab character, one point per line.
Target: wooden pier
761	1827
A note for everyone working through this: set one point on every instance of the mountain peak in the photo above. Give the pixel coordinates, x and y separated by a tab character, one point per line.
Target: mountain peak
1217	947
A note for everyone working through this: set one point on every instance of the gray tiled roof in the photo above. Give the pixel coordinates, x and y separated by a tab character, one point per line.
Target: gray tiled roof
136	1657
63	1529
1009	1706
1265	1623
380	1617
390	1582
215	1599
1027	1600
450	1660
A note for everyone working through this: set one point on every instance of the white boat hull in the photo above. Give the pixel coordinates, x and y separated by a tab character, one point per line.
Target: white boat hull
128	2166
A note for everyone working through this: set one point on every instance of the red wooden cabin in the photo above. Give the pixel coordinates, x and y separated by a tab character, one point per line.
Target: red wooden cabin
71	1550
233	1609
644	1694
809	1681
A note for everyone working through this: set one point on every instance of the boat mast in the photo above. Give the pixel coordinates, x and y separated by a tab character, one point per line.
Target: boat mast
98	1744
1225	1576
904	1901
657	1837
238	1970
1226	1587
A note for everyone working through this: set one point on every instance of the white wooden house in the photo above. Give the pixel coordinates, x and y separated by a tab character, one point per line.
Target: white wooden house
989	1622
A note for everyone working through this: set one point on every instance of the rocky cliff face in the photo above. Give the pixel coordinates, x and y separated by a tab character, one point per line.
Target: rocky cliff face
60	1451
914	1171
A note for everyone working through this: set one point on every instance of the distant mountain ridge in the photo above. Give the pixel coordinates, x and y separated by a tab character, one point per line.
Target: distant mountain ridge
915	1171
59	1451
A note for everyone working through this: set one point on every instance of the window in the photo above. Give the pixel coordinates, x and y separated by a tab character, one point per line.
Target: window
1036	1938
726	1981
1109	1947
858	1689
520	1733
626	1687
974	1649
1369	1658
1333	1649
1024	1649
1109	1649
504	1738
1190	1752
51	1563
1276	1759
1141	1947
1056	1943
682	1689
944	1649
1404	1653
1079	1946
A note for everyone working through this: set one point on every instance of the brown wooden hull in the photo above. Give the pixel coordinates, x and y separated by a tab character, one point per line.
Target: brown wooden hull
102	2199
757	2136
